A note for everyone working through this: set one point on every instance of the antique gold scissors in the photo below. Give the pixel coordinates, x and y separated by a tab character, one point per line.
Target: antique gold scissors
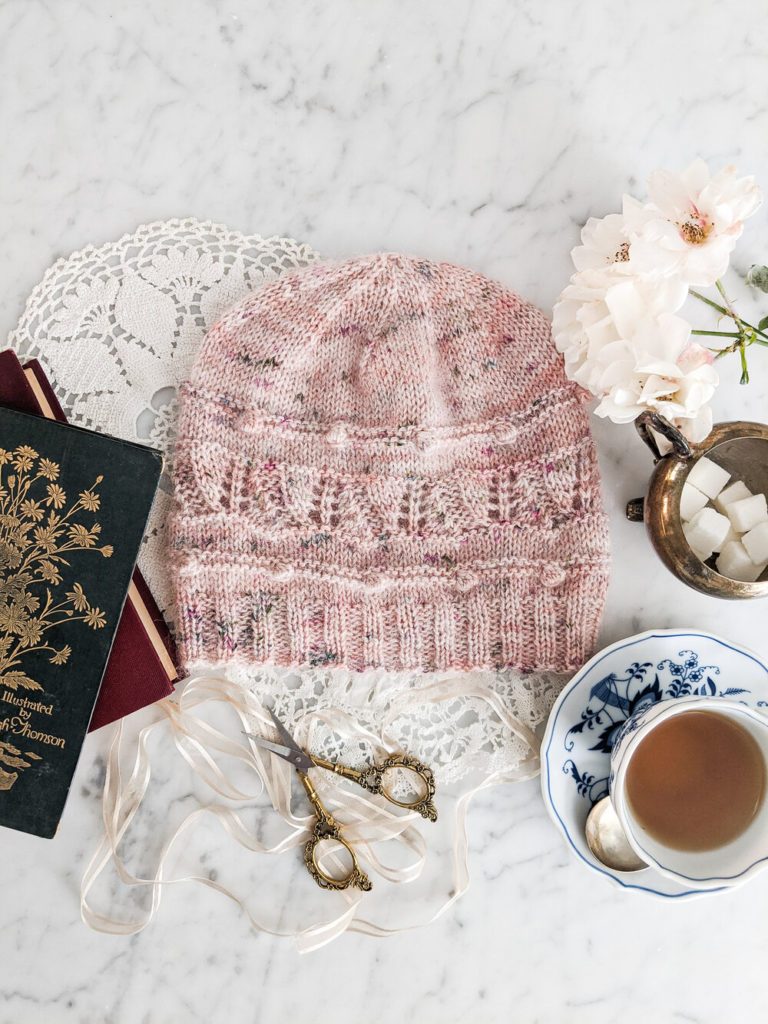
377	778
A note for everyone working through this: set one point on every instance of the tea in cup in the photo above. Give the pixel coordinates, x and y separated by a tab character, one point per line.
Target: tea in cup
688	782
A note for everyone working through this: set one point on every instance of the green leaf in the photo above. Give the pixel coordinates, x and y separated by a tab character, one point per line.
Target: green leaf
763	325
757	276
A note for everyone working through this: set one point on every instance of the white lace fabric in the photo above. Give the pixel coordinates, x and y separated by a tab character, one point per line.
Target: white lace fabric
116	329
336	712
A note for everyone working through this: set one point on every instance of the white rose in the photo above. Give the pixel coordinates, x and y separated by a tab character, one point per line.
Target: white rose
692	223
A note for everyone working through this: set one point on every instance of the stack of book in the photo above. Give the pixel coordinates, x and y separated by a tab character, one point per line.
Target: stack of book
82	642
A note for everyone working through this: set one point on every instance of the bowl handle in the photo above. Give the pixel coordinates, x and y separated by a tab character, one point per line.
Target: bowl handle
645	424
648	422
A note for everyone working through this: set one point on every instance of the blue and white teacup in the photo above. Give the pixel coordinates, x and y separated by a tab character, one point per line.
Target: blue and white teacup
708	869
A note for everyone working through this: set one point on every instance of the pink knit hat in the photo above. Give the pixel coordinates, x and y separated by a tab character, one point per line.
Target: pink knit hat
380	463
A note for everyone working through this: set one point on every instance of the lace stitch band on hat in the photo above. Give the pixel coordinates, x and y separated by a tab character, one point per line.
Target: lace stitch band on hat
381	464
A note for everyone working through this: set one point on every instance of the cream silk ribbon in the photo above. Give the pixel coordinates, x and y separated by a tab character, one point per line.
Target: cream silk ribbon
367	820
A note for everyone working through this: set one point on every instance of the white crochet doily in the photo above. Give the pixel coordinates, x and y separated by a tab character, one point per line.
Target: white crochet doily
117	328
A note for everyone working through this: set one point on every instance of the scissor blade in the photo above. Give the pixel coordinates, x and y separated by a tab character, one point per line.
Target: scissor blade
296	756
285	736
285	752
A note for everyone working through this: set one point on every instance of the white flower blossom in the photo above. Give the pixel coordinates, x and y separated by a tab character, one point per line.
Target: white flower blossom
598	318
606	242
615	323
693	222
678	390
622	342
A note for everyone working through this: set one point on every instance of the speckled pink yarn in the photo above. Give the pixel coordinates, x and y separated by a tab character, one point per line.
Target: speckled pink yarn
381	463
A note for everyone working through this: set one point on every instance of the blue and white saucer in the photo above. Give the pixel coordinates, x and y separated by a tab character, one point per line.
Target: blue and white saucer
624	678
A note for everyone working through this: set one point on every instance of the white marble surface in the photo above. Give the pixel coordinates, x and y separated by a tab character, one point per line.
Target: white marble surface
484	133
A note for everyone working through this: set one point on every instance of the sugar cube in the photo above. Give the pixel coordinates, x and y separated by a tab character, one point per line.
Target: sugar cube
731	535
735	563
747	512
694	543
733	492
756	543
708	530
708	477
691	500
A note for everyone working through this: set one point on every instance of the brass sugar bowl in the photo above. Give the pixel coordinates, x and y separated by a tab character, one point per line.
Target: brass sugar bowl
739	447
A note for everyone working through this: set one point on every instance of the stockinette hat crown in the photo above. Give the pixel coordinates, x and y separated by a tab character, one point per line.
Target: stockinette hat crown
381	464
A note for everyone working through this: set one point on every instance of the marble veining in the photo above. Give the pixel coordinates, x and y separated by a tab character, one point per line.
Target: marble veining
481	132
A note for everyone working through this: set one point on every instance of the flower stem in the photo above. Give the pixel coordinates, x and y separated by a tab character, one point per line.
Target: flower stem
744	379
718	334
729	305
744	341
725	312
745	334
709	302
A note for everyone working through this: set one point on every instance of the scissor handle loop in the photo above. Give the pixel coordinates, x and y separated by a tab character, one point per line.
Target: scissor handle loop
373	778
326	828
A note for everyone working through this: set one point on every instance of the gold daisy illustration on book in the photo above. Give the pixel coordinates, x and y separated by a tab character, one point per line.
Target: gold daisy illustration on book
38	533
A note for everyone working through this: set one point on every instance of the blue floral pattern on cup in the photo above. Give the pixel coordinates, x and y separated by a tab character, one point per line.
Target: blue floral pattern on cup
617	701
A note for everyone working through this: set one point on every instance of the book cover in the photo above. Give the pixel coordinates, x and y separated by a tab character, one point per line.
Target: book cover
73	509
142	663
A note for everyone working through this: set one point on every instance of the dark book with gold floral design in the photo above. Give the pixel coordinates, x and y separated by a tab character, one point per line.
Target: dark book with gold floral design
73	509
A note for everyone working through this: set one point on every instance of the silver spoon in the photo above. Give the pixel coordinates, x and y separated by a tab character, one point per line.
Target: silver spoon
607	840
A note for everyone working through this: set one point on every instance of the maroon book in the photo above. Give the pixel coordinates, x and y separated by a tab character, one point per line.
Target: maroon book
142	664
